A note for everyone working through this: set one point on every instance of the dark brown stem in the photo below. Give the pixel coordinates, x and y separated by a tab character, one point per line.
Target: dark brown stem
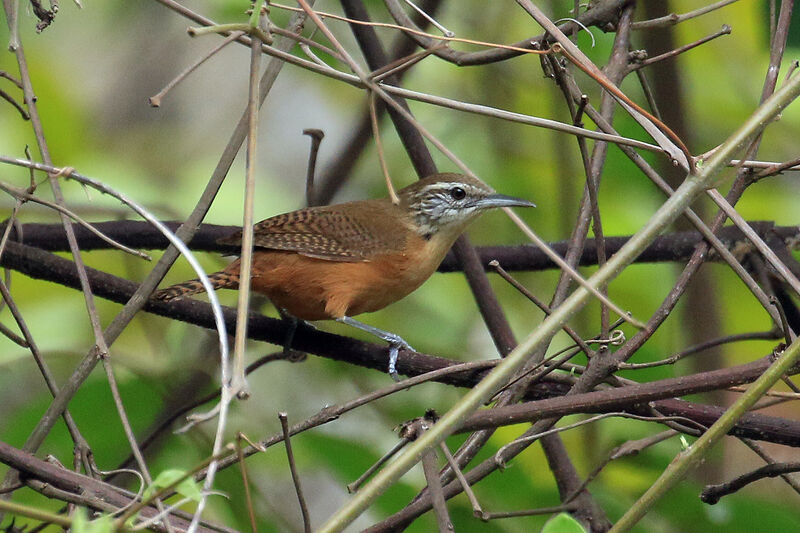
670	247
725	30
287	441
316	138
7	97
431	470
85	490
713	493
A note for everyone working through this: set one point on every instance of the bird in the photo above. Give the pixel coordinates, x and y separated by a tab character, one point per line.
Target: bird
337	261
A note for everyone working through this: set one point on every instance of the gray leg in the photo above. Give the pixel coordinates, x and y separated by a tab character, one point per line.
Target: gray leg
293	321
395	341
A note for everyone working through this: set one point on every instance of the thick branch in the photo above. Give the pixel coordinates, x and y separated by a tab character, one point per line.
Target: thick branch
669	247
93	492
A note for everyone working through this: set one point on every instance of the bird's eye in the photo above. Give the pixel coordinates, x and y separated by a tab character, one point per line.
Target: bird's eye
457	193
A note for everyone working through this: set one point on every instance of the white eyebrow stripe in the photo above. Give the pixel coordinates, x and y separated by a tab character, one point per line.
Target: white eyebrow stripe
434	187
439	187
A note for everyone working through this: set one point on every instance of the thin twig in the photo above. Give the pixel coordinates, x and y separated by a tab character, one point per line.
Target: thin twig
713	493
376	134
24	195
406	29
574	274
8	98
431	470
473	500
725	30
673	18
155	100
777	168
540	304
757	241
648	93
129	434
12	79
396	67
772	393
316	138
747	163
701	347
354	486
631	447
287	441
499	456
251	512
239	382
759	450
563	508
234	382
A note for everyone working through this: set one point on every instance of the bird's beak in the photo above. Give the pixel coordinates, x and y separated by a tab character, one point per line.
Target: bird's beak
502	200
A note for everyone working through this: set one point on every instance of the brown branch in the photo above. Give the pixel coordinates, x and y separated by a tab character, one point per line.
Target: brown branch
725	30
8	98
713	493
88	491
657	394
284	418
670	247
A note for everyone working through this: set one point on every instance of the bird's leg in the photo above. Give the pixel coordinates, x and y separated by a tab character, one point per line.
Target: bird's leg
293	321
395	341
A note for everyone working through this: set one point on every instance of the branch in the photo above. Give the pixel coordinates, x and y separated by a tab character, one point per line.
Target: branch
677	246
92	492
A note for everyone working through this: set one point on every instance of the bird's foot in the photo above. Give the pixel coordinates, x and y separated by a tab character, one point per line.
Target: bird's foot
292	322
395	343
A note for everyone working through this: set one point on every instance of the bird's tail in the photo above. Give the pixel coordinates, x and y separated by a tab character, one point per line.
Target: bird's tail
219	280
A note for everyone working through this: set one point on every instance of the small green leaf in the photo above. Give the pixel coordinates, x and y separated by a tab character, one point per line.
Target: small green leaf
104	524
186	488
563	523
81	523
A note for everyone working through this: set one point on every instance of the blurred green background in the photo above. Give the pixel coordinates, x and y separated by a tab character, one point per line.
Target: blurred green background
93	71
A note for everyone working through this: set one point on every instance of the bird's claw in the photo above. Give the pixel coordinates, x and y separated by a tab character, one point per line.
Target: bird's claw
395	343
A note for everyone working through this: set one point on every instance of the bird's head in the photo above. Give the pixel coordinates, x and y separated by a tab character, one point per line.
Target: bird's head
448	202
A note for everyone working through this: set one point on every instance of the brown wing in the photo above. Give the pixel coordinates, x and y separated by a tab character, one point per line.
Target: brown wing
353	231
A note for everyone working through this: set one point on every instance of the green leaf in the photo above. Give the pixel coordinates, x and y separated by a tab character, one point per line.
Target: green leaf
186	488
563	523
81	523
